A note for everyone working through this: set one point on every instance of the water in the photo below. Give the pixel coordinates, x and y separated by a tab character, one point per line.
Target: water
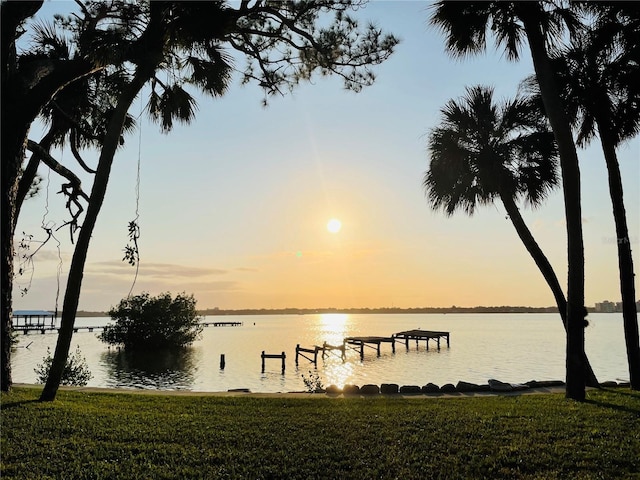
508	347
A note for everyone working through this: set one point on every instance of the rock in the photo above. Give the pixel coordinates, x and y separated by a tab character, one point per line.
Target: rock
389	388
239	390
430	388
351	389
410	389
467	387
369	389
609	384
549	383
448	388
333	390
498	386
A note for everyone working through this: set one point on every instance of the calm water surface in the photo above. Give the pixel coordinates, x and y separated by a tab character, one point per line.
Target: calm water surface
508	347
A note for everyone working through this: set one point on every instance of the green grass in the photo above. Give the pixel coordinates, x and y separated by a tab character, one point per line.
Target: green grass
113	435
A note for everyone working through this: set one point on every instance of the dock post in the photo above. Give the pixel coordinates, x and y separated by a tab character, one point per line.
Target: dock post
379	348
297	352
315	356
283	357
428	344
361	350
222	361
393	344
262	356
438	343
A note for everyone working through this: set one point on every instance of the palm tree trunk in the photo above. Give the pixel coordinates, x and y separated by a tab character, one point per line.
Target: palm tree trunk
547	271
625	260
12	153
530	14
76	270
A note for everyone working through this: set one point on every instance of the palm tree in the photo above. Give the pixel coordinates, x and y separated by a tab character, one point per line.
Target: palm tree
542	24
600	77
484	152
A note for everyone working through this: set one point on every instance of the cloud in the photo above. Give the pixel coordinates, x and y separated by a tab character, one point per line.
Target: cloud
322	256
154	270
563	222
43	256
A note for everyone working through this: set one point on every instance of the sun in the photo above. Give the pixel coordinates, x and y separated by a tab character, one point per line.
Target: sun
334	225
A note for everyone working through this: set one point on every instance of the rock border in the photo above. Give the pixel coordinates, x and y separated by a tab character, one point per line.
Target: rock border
492	386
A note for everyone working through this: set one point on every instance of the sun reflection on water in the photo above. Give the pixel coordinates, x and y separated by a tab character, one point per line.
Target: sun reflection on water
333	327
337	372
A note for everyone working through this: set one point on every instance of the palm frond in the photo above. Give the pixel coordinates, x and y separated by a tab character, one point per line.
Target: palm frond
464	25
483	150
50	41
174	103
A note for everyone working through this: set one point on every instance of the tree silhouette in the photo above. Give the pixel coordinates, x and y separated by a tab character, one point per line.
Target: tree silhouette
28	82
600	77
482	152
283	43
543	25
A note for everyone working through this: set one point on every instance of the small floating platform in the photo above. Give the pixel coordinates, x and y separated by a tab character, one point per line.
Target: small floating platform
418	335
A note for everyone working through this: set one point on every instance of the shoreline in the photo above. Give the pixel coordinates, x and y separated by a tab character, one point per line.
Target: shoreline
303	395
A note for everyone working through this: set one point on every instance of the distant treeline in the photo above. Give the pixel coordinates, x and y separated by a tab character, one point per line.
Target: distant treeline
305	311
85	313
453	309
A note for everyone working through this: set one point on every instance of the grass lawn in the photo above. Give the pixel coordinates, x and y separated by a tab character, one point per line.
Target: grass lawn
117	435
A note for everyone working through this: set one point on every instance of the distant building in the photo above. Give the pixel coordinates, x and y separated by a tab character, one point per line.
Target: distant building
612	307
605	307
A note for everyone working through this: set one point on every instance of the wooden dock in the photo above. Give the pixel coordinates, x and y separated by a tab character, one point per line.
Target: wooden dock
359	343
28	326
281	356
326	349
362	342
418	335
221	324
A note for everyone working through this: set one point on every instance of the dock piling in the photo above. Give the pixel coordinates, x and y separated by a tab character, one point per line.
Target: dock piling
282	356
314	350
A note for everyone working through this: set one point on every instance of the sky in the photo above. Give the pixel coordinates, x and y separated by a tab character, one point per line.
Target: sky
234	207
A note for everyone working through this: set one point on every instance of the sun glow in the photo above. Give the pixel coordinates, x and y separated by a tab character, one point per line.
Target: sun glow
334	225
333	327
